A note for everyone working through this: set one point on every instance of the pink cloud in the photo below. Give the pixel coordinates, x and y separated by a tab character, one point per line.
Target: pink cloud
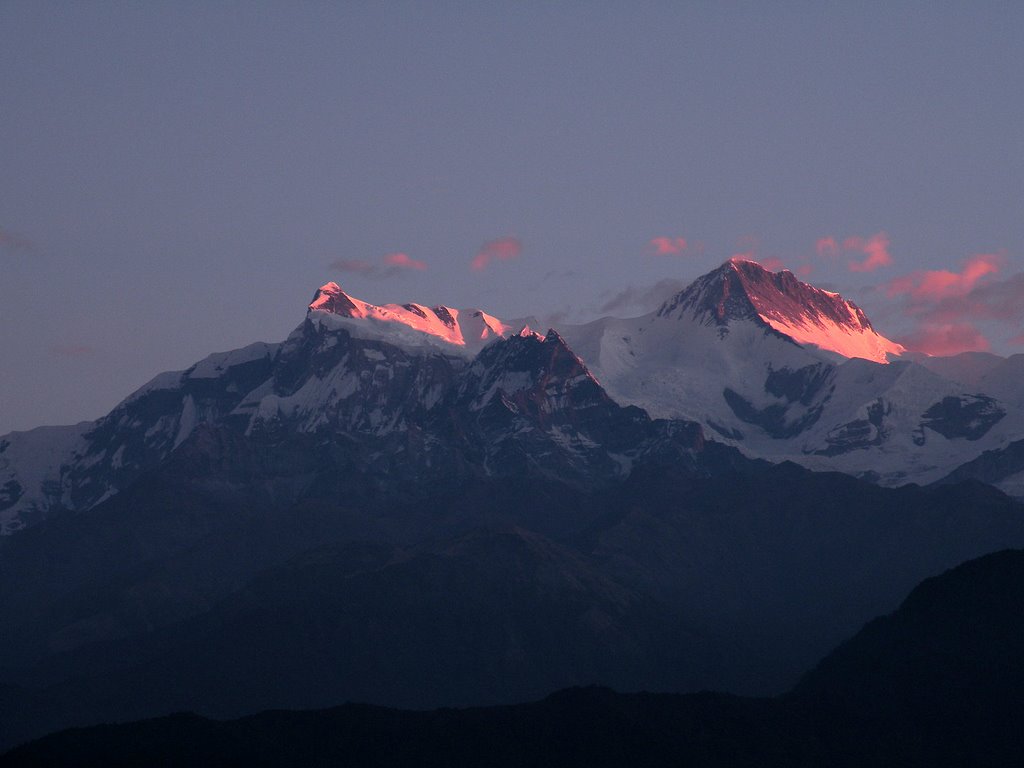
669	246
772	264
402	261
388	265
826	246
993	300
502	249
947	304
944	340
1017	340
1001	300
932	285
875	248
804	270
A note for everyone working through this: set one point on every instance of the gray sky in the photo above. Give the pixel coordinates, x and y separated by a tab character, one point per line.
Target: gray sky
177	179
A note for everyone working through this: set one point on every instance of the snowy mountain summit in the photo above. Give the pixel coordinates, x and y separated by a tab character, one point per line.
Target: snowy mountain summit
467	328
737	291
787	371
754	359
744	290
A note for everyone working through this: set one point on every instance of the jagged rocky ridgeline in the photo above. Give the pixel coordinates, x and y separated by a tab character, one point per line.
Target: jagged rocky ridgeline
760	360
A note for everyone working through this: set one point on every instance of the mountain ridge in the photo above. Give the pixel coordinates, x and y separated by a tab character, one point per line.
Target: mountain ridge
934	683
242	521
714	355
741	289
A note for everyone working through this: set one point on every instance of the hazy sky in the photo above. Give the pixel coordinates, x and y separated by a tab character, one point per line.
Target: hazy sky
177	179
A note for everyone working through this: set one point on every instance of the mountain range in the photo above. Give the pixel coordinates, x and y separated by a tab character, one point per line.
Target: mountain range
761	361
935	683
424	506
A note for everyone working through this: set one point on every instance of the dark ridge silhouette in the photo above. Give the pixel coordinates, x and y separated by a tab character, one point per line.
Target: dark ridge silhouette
939	682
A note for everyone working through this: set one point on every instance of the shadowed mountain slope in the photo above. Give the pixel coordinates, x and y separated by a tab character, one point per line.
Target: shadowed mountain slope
936	683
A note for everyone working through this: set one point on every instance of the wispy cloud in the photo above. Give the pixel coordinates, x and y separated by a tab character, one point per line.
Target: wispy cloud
925	286
388	265
669	246
554	319
826	246
946	339
947	305
502	249
643	298
403	261
1000	300
875	250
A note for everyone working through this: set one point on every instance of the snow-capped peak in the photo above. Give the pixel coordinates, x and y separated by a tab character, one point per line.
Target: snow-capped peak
526	332
330	298
744	290
468	329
